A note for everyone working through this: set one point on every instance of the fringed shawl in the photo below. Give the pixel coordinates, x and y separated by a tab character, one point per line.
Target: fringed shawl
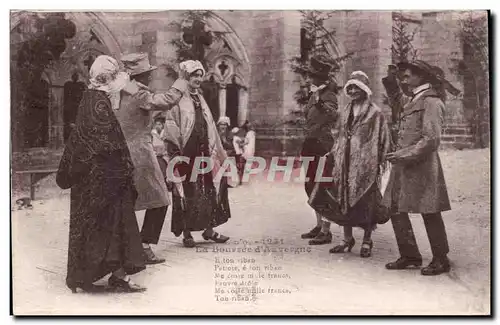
179	125
369	143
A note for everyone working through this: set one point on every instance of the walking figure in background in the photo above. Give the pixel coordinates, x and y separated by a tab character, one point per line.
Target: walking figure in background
359	160
96	164
239	146
249	144
158	136
321	115
416	183
201	203
226	138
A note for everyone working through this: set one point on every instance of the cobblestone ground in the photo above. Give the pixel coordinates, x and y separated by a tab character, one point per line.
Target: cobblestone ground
271	215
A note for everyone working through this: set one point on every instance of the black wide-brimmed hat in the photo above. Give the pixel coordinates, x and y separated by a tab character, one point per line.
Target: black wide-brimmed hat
434	73
320	66
423	66
324	68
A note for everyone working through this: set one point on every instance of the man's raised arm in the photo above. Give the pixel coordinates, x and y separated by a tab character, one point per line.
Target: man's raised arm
157	101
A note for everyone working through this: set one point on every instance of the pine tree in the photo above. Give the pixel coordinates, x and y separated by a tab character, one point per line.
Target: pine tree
402	48
402	37
474	68
315	39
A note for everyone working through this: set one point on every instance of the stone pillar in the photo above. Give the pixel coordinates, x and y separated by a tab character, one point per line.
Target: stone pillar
291	81
383	54
243	106
440	46
56	120
291	49
369	36
222	100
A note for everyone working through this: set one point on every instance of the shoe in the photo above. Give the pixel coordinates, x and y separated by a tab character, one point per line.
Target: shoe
321	239
151	258
188	242
90	288
437	266
312	233
366	249
120	285
216	237
349	244
404	262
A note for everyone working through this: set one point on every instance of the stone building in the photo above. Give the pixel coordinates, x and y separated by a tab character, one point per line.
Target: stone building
249	75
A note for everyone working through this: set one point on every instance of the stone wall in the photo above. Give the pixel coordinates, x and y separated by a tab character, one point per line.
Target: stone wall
266	60
440	44
271	38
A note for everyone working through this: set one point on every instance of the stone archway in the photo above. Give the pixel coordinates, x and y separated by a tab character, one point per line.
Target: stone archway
92	38
228	72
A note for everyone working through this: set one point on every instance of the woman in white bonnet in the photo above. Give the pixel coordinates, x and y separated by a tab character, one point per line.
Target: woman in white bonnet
359	159
96	165
225	135
105	75
191	132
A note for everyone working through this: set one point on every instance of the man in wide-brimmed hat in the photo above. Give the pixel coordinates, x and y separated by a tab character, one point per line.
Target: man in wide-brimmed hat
134	114
416	183
321	116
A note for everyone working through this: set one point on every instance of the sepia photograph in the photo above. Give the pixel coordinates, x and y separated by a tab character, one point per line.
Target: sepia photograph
250	162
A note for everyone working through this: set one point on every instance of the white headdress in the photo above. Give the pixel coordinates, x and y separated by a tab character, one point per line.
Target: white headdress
191	66
224	120
105	75
360	79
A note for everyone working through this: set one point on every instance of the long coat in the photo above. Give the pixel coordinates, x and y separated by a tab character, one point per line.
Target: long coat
135	120
360	151
321	116
416	183
179	126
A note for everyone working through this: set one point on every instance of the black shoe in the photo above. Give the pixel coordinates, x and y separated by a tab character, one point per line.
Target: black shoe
349	244
151	258
366	248
86	287
216	237
119	285
403	263
321	239
312	233
188	242
437	266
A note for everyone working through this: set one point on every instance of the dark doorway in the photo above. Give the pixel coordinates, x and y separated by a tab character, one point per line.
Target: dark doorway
36	122
233	102
211	94
73	92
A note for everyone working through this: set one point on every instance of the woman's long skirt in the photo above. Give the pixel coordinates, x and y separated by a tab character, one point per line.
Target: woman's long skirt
201	207
103	242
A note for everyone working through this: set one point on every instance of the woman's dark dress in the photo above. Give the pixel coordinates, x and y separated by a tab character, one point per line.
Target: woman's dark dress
201	209
103	231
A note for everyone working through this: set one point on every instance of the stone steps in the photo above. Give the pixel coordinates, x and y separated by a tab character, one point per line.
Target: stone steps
281	141
457	136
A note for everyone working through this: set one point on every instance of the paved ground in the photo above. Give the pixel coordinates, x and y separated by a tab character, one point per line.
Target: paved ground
271	215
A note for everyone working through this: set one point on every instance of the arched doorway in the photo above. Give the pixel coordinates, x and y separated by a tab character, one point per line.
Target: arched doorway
228	74
43	109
